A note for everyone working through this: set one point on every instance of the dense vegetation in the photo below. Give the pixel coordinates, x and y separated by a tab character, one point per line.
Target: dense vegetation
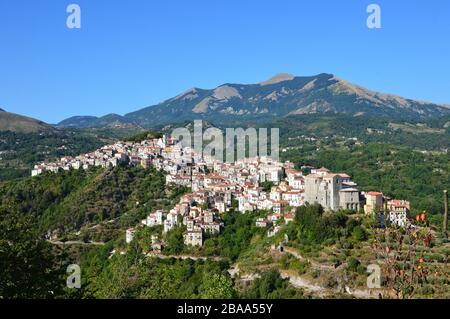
77	199
432	134
139	137
312	226
29	266
134	276
271	286
96	204
239	230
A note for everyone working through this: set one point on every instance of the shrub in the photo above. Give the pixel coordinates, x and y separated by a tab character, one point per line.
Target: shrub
353	263
359	234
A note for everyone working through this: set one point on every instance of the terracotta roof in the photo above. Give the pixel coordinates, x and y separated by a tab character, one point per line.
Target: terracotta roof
374	193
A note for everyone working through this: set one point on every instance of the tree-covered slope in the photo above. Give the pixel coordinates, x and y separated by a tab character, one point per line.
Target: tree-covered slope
63	203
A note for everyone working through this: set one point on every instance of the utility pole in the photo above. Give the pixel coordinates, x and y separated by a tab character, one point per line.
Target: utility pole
445	213
385	215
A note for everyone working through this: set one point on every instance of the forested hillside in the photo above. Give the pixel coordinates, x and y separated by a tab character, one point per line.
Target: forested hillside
69	201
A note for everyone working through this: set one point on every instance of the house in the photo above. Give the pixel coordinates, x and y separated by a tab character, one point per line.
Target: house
320	171
212	228
129	236
157	245
208	217
289	217
349	198
112	162
279	205
245	205
297	182
155	218
168	226
194	238
171	220
275	194
294	197
374	202
221	207
188	222
399	212
173	216
262	222
76	164
38	169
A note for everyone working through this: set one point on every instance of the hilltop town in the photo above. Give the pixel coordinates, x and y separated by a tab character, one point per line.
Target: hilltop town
254	184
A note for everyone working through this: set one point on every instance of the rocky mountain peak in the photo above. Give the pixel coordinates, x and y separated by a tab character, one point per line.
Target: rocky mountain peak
277	78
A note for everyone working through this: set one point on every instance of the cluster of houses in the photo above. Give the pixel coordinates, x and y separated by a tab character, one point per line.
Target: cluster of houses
393	211
195	216
145	153
258	183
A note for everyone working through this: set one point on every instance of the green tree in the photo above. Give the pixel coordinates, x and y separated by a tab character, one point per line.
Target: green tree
216	286
272	286
29	268
175	240
353	263
359	234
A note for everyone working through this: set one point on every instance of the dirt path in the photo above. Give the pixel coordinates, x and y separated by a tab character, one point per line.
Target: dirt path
299	282
314	264
161	256
320	291
75	242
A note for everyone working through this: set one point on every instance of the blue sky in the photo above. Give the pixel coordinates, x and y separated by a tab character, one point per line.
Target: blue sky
135	53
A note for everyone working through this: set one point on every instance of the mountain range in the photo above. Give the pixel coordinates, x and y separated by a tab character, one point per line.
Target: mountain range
282	96
108	121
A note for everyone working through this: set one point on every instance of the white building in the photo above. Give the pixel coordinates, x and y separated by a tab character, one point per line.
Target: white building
399	212
156	218
194	238
262	222
130	235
